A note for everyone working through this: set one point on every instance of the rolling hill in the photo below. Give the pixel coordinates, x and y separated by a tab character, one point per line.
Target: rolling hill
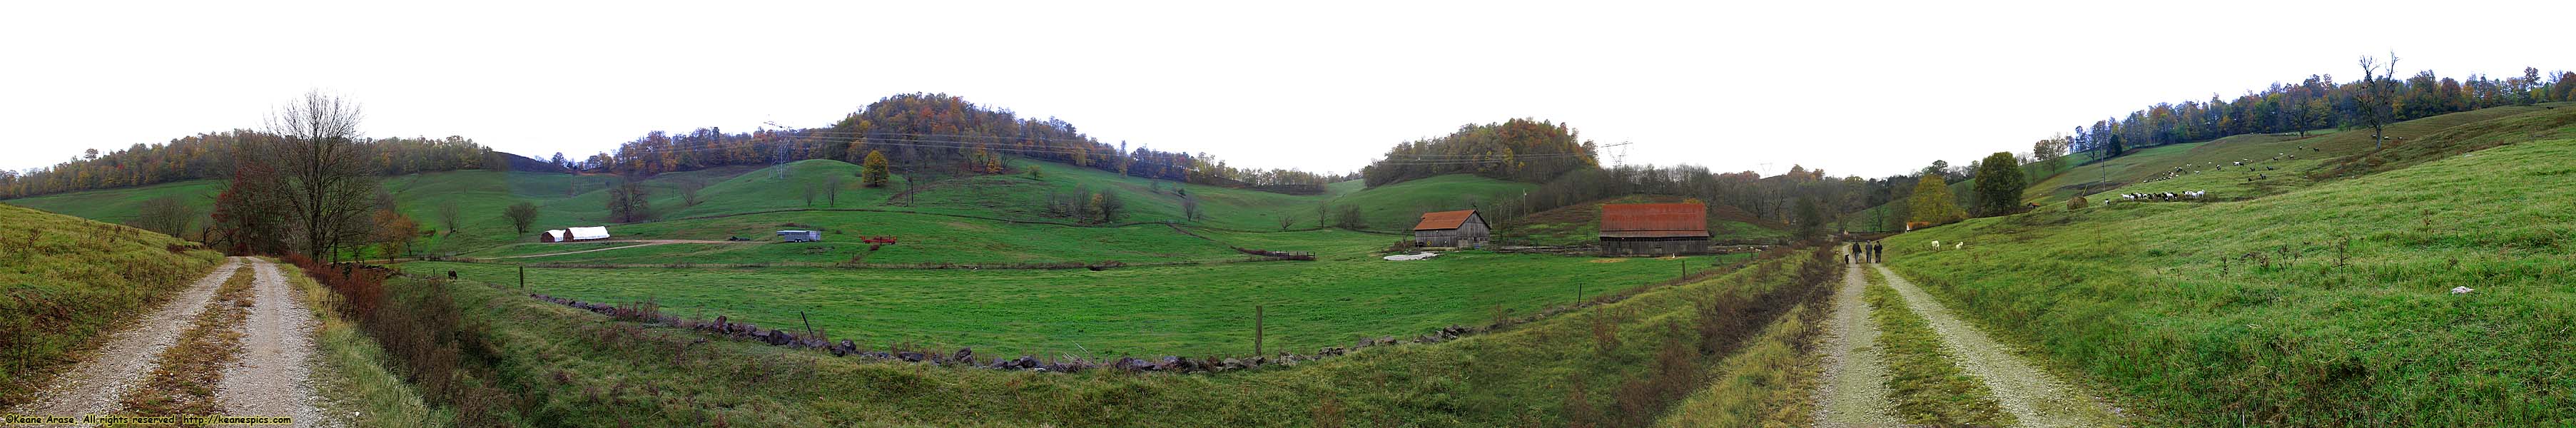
1395	207
2279	163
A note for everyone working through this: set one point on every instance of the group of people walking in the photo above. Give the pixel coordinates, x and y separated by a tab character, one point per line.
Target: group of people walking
1863	252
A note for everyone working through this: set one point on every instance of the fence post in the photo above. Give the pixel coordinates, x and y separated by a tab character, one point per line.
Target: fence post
1256	330
523	277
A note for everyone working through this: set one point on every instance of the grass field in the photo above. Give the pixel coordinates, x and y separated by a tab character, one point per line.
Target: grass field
923	239
1398	206
2324	305
1600	366
69	280
1186	310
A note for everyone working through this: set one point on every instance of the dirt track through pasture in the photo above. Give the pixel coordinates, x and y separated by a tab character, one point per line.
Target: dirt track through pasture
2029	393
1852	391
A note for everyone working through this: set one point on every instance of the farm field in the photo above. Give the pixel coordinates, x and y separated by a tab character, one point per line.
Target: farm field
2326	305
552	357
1398	206
1185	310
923	238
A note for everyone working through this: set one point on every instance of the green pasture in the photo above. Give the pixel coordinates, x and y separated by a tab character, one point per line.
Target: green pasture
2325	305
1186	310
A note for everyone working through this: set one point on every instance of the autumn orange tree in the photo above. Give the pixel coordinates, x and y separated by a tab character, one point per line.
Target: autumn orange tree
394	232
1525	150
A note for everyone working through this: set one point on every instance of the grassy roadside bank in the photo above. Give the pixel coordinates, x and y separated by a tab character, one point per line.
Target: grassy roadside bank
70	281
355	373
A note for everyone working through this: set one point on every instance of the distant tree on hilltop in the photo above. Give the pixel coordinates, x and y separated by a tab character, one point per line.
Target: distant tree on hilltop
1519	150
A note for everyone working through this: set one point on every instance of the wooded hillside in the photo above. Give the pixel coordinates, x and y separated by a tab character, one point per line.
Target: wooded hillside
1524	150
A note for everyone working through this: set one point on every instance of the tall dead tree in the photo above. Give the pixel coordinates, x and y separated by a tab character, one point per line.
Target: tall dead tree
2377	94
328	181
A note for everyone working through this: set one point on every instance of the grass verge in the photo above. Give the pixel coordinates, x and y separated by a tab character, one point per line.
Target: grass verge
1927	387
353	371
1764	385
183	378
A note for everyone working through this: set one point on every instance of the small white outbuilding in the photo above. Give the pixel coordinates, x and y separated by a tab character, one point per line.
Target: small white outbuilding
574	234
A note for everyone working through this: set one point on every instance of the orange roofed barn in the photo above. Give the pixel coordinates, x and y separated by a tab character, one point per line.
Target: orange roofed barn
1653	229
1462	228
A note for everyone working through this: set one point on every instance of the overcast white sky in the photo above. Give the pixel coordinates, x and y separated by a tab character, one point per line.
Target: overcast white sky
1856	88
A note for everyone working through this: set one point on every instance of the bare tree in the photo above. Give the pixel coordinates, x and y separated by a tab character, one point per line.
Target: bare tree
2376	95
326	178
1190	208
448	215
689	193
167	215
832	191
521	215
629	202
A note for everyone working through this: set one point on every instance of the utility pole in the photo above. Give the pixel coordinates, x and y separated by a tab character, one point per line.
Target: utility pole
1256	330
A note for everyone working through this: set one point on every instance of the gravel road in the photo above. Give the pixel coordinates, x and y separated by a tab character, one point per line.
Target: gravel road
273	376
93	386
2032	395
1852	391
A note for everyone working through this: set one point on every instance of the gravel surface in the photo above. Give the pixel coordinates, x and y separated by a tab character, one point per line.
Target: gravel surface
1852	392
93	386
2032	395
273	376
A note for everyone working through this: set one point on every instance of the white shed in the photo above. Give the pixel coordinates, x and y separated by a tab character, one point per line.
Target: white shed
588	233
574	234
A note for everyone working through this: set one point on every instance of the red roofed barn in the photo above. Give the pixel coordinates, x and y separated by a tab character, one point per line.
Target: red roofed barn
1463	229
1654	229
